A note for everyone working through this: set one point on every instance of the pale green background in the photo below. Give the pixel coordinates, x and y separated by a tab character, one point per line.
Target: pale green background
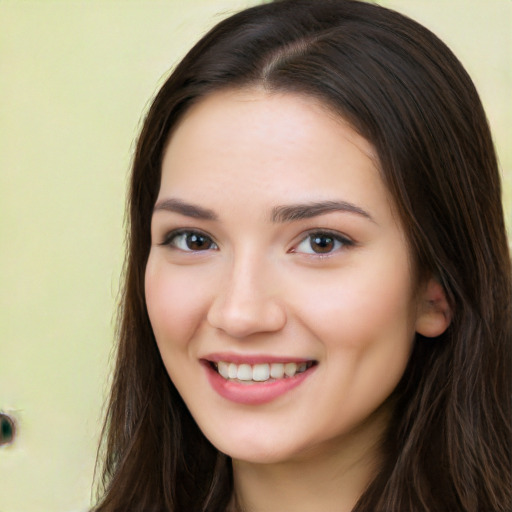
75	77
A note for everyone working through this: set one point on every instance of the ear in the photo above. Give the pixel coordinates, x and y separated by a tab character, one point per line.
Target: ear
434	312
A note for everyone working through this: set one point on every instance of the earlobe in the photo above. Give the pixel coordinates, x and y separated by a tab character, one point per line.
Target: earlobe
434	312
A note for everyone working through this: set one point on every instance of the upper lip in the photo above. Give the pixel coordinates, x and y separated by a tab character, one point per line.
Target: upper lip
229	357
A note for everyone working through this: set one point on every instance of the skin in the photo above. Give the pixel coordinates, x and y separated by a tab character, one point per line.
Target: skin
258	286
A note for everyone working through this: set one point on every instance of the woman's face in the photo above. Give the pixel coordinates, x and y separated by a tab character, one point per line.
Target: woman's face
279	282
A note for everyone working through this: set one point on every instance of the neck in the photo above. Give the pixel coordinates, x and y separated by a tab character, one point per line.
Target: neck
330	477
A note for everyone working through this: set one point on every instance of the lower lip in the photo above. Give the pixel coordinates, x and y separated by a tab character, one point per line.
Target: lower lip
254	393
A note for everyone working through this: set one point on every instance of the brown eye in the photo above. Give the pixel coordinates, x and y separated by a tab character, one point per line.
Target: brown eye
190	241
197	242
322	243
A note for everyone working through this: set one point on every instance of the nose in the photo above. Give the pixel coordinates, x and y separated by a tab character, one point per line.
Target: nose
248	301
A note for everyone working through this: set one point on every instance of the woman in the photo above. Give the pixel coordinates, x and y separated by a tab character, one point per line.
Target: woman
316	312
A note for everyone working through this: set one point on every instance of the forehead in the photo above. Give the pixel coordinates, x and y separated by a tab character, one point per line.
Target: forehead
265	136
278	112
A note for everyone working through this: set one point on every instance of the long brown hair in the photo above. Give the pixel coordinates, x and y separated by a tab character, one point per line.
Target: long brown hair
448	444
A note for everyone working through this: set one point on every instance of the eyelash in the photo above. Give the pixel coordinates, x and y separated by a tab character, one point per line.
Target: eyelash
333	238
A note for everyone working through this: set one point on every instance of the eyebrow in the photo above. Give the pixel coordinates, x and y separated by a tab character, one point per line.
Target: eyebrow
183	208
280	214
294	212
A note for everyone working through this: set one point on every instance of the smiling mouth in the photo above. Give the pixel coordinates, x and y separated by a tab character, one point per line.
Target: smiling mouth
262	372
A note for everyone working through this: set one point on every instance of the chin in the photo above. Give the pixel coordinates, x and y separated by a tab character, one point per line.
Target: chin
256	450
258	455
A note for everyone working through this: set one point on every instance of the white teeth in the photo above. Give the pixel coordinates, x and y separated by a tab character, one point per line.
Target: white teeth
260	372
244	372
232	370
277	370
290	369
223	369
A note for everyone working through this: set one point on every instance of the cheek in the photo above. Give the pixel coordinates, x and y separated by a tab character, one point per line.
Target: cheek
366	309
366	333
175	303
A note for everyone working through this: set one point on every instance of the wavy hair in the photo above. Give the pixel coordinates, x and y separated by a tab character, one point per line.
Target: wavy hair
400	87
